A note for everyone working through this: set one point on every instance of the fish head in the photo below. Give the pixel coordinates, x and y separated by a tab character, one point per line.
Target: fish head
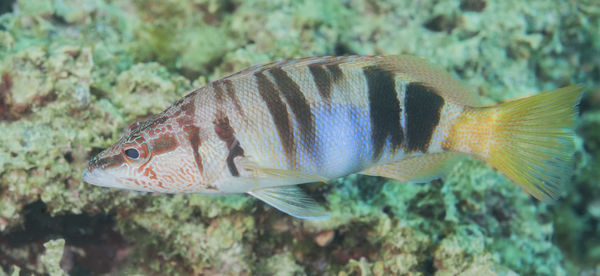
156	156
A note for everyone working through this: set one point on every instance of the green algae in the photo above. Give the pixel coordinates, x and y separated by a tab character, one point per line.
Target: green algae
280	265
51	258
79	71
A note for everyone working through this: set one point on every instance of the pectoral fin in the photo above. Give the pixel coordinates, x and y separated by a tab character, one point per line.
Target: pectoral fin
419	169
293	201
258	171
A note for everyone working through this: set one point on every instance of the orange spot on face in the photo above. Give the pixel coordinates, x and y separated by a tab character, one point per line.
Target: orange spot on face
149	172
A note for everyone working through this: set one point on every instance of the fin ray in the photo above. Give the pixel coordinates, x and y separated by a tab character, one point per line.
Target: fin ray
257	171
409	68
529	140
293	201
418	169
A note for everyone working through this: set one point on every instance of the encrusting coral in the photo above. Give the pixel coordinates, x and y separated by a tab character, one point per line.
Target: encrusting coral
74	73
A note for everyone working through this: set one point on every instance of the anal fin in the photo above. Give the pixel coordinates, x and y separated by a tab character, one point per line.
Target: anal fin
291	200
418	169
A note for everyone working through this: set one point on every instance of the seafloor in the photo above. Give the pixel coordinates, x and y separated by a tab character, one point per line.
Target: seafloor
74	73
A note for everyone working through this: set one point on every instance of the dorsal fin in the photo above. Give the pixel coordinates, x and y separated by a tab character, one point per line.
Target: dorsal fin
419	70
409	68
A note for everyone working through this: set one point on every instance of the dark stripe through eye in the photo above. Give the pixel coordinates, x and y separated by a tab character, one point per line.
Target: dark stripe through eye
132	153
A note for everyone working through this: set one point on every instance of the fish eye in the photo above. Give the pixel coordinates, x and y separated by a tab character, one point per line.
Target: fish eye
136	151
132	153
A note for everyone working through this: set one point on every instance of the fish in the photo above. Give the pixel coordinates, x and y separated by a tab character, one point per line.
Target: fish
266	129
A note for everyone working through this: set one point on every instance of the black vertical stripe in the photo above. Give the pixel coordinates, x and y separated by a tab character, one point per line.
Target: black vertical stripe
218	95
423	108
336	72
279	114
298	104
235	151
226	133
187	122
322	79
384	109
194	136
230	89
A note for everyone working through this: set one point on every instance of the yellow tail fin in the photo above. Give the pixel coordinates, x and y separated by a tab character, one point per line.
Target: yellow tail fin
529	140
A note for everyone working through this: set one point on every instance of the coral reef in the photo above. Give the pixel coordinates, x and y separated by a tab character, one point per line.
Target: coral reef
51	258
74	73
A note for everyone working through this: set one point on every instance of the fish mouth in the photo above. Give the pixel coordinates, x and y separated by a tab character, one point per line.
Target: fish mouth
100	178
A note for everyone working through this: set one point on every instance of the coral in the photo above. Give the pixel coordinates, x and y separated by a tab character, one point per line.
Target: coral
74	73
206	233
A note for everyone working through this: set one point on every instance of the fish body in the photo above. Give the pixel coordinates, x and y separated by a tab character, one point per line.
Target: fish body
267	128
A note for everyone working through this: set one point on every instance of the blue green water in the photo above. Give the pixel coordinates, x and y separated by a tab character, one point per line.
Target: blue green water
75	73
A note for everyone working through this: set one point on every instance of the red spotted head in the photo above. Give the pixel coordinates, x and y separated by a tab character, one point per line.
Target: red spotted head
159	155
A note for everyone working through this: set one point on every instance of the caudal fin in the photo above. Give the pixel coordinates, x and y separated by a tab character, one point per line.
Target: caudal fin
534	140
529	140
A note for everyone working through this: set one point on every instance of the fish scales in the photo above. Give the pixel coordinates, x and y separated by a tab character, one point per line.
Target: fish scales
293	101
314	119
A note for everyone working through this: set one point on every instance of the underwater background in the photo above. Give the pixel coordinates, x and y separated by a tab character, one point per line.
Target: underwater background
75	73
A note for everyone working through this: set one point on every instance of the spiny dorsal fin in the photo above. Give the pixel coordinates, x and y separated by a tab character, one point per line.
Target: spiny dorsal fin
419	169
292	201
409	68
419	70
